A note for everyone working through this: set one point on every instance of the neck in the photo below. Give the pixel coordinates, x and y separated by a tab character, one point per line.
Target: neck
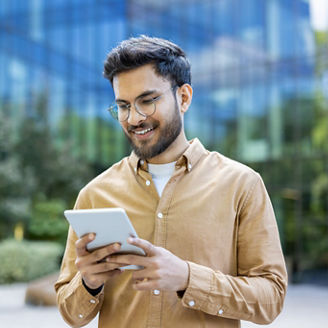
173	152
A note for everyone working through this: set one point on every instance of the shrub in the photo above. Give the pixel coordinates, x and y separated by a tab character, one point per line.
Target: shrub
48	222
25	260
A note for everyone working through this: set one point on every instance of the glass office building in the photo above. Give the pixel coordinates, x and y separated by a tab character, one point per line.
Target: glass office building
259	91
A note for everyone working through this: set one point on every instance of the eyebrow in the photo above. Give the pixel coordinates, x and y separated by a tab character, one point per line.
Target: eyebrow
144	94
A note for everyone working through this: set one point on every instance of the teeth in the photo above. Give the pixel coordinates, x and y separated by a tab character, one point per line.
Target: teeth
142	132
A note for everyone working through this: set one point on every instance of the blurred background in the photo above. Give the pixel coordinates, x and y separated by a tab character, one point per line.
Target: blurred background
260	79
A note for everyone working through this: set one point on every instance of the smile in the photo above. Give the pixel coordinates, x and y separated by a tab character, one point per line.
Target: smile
142	132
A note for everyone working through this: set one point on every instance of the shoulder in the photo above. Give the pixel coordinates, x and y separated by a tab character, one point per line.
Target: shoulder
239	180
232	169
224	170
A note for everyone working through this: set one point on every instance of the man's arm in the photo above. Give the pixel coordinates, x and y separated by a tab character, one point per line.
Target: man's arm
83	274
76	305
255	294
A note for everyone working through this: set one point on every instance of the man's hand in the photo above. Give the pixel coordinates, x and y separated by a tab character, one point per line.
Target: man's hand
162	269
94	266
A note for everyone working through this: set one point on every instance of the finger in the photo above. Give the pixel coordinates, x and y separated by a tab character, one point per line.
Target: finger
100	278
128	259
103	267
81	244
148	247
84	262
103	252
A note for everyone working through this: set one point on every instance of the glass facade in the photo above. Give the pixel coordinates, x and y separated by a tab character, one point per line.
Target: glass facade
260	95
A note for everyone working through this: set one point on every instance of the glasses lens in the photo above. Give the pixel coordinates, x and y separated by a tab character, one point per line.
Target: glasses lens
146	106
113	110
120	113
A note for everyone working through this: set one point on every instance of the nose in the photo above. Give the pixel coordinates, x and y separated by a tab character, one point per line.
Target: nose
135	118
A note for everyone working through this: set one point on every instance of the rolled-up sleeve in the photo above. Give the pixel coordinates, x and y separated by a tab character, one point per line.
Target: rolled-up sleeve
258	290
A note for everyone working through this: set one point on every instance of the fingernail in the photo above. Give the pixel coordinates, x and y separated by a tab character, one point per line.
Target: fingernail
117	246
130	240
91	236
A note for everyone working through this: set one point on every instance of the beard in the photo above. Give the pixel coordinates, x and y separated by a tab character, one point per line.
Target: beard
168	133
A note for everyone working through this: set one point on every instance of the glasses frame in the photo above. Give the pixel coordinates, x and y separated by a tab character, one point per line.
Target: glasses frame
114	108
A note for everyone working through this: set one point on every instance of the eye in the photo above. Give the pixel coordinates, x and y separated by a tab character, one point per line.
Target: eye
151	100
123	107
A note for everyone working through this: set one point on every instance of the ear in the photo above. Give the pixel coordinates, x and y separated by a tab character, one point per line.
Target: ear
185	96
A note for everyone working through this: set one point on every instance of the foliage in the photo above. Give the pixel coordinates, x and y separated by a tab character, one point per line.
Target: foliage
15	187
25	261
57	173
298	181
47	221
321	39
33	168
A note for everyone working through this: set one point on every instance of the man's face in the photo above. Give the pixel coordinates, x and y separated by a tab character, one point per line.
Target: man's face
152	135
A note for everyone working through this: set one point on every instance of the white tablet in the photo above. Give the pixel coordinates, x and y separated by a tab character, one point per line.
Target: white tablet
110	225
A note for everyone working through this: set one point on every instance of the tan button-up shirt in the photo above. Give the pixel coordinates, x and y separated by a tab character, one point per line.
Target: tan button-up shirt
214	213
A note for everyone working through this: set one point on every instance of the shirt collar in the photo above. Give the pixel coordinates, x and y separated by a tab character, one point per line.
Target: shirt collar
188	159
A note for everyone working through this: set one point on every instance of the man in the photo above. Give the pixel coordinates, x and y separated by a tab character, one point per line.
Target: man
205	222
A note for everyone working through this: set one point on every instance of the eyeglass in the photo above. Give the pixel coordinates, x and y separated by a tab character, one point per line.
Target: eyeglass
144	105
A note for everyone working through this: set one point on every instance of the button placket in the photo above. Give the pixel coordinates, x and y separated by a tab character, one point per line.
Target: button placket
161	220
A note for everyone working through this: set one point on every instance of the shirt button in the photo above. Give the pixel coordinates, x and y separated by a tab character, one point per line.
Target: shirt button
92	301
147	182
142	162
189	166
191	303
156	292
80	316
135	169
160	215
220	312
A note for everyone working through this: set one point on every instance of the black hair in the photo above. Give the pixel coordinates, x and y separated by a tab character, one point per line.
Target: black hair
169	60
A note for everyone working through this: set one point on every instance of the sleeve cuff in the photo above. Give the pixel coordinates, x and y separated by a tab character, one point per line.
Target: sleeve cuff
202	291
93	292
199	286
81	303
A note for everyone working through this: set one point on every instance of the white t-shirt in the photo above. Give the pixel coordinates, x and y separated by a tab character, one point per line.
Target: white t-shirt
161	174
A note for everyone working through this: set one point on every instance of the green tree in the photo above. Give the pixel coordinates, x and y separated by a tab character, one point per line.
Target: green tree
57	172
34	170
15	186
